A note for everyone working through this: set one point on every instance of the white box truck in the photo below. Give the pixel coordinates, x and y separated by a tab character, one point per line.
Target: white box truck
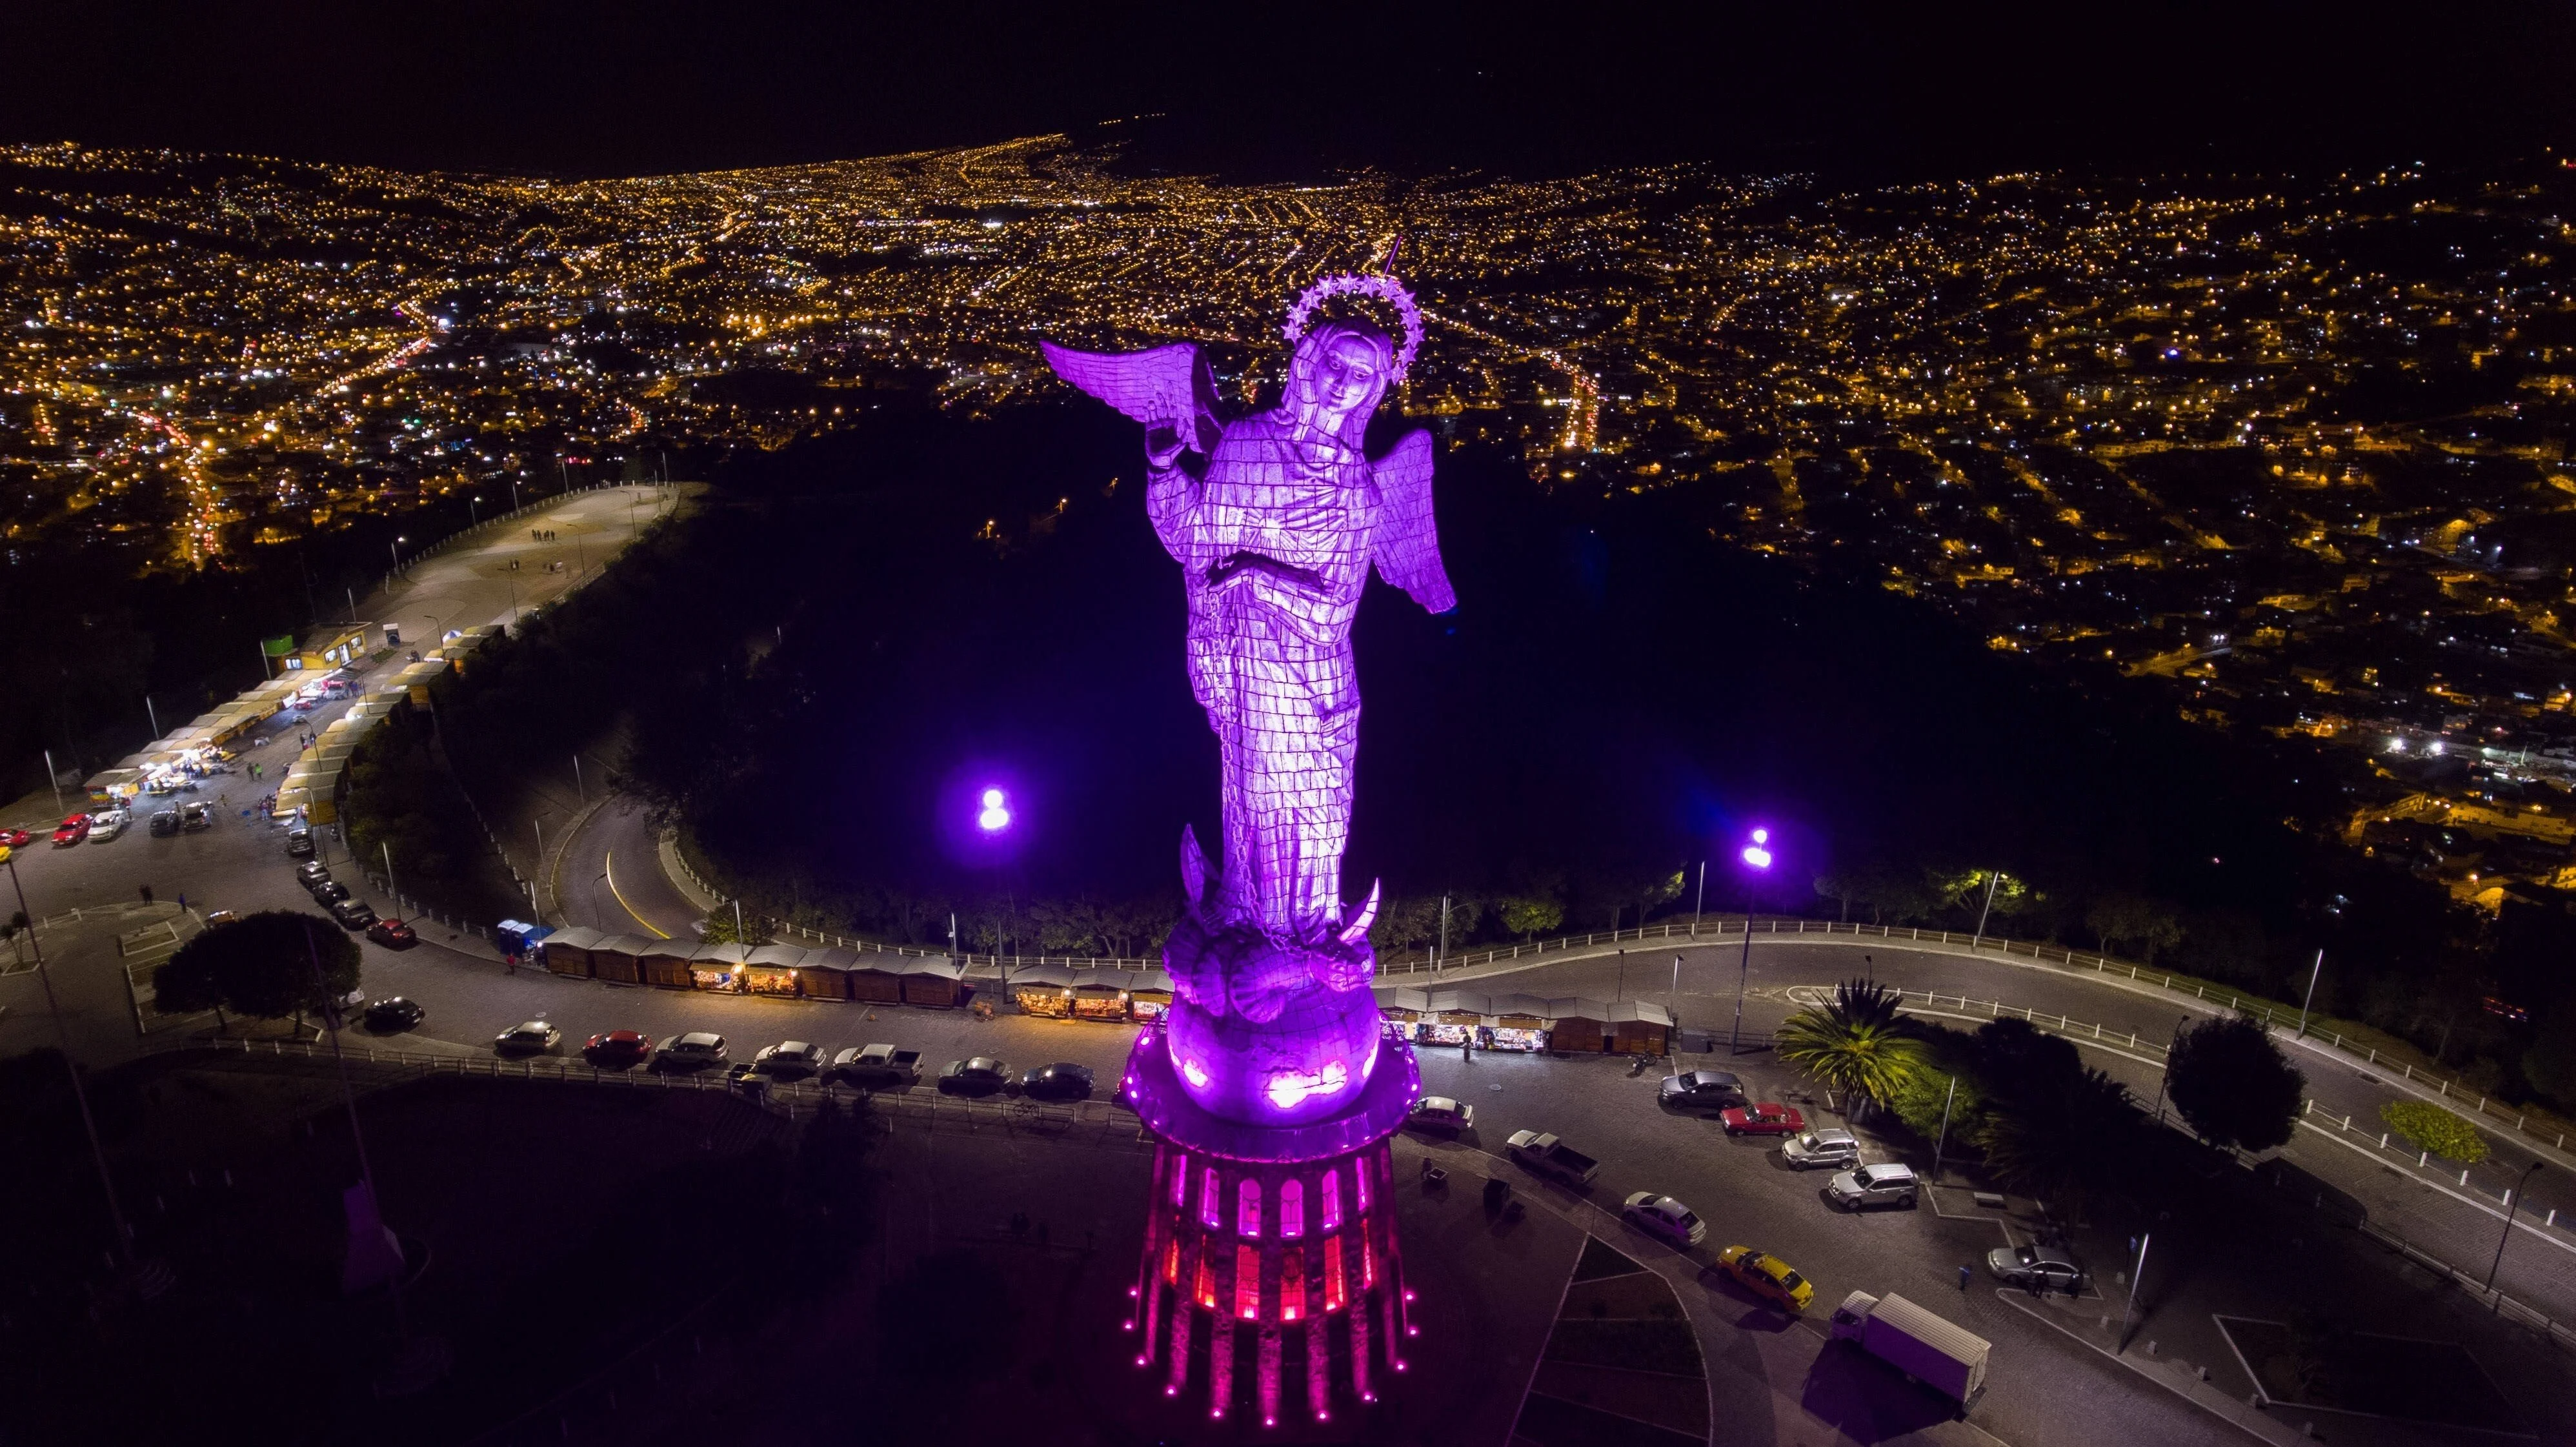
1949	1359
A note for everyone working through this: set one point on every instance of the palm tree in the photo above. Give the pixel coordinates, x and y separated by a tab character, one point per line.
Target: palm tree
1857	1043
2068	1145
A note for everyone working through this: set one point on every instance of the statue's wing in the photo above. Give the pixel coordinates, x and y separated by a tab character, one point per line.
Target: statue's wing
1164	387
1408	538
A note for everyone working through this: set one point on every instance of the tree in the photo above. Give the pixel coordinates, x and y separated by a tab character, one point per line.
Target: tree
1403	924
2133	919
2550	1063
1857	1042
2233	1086
2069	1146
1529	915
721	930
2428	1127
262	965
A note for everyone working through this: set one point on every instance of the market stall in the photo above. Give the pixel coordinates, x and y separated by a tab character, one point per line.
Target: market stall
1403	1006
934	980
876	976
1095	998
771	970
618	958
718	967
1043	990
666	963
1578	1024
1453	1019
825	974
1640	1027
1149	997
1516	1022
567	950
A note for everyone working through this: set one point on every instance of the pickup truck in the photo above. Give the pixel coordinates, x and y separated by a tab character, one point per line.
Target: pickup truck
1547	1156
876	1067
1948	1359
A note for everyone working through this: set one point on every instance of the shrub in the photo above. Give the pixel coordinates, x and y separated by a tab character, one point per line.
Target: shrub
2428	1127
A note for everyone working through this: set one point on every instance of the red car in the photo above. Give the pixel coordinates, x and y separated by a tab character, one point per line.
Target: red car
392	934
618	1047
73	830
16	838
1763	1118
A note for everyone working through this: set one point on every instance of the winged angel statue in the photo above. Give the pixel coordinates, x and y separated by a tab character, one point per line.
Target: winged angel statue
1276	519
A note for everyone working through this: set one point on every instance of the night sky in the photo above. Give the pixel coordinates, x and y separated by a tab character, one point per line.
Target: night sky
599	87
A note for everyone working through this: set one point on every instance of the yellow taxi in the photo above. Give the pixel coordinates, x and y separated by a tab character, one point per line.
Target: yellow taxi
1767	1276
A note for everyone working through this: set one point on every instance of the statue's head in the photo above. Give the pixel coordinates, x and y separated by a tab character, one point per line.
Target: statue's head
1339	372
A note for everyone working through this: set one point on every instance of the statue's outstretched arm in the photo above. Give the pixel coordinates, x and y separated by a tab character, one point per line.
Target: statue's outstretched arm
1408	536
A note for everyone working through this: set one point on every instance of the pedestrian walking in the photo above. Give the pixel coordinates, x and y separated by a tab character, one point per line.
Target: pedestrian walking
147	894
1964	1274
1467	1050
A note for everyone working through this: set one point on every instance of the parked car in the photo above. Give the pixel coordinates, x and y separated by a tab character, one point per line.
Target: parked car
327	891
1440	1113
165	822
529	1037
299	843
2041	1268
976	1075
1881	1185
1545	1155
695	1050
71	831
195	815
1832	1146
1766	1118
16	838
1060	1081
788	1060
311	870
1767	1276
1665	1217
393	1013
215	917
393	934
618	1047
876	1067
353	914
1701	1090
107	825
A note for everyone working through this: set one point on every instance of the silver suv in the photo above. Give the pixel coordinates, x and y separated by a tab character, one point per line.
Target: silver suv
693	1051
1884	1185
1832	1147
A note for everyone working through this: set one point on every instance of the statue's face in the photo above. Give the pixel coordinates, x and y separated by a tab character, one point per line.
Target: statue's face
1346	376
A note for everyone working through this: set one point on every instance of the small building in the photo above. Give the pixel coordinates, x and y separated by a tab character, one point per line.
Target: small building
824	974
1640	1027
936	981
1403	1006
1516	1022
1100	995
1578	1024
718	967
666	963
1149	997
876	976
567	950
619	958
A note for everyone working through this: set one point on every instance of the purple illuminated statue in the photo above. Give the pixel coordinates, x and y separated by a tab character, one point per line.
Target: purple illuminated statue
1272	1071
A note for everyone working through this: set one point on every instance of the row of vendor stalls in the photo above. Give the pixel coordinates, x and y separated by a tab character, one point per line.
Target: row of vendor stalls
869	976
168	765
1091	993
1526	1022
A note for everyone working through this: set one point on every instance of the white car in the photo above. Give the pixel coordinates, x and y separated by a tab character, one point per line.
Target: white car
1881	1185
529	1037
1833	1147
1665	1217
1440	1113
789	1058
106	826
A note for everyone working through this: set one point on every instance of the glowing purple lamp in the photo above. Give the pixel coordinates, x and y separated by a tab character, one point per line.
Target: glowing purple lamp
996	814
1757	859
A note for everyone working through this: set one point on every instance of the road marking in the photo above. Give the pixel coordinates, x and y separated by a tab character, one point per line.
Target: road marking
608	868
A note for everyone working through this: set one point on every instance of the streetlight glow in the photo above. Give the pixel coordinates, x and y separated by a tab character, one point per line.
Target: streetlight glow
996	815
1755	854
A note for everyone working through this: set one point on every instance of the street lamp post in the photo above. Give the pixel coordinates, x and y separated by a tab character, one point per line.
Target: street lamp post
1993	878
394	551
1943	1143
2137	1269
1698	904
1757	858
2310	998
2512	1203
